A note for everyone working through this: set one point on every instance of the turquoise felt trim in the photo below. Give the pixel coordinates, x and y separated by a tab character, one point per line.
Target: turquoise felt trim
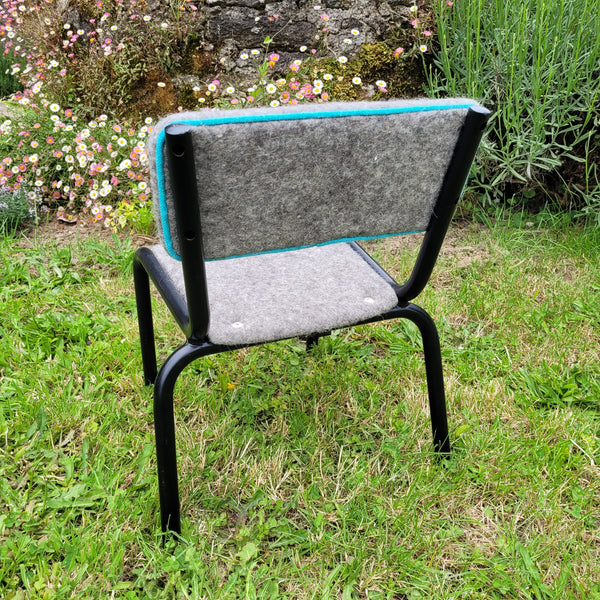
274	116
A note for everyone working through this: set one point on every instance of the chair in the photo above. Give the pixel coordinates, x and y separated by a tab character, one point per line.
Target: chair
259	214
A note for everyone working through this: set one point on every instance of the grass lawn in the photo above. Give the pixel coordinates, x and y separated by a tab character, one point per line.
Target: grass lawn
308	475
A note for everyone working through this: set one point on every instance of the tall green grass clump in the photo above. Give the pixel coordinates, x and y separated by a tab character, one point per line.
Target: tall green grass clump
536	64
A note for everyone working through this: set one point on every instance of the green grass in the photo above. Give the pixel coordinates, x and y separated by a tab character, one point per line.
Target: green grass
309	475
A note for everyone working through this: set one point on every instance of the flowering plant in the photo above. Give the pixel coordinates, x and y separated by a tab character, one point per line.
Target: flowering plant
77	167
422	26
102	64
94	168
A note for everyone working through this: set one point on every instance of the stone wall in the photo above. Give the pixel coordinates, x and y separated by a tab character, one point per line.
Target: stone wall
217	40
231	28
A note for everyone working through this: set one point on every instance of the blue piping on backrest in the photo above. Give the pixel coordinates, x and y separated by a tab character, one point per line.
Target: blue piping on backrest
362	112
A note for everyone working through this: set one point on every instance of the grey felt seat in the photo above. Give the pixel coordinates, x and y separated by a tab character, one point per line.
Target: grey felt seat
285	294
260	213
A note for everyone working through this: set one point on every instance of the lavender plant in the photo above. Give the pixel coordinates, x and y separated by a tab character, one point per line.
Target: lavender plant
16	208
536	65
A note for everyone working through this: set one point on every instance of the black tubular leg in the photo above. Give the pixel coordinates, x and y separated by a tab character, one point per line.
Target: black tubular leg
313	339
144	312
435	375
164	430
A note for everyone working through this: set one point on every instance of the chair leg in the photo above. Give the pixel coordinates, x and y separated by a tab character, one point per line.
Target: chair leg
146	327
164	430
435	375
313	339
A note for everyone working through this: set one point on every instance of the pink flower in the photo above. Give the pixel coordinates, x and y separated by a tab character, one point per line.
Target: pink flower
398	52
325	17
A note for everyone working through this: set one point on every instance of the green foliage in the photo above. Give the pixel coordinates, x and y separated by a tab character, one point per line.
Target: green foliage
308	475
84	168
111	61
9	80
556	386
535	65
133	215
15	209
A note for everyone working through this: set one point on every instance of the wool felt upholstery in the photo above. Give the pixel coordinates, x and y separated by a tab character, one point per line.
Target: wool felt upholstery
275	296
292	180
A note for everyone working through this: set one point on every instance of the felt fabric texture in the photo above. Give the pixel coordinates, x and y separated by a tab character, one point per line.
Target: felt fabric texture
299	176
275	296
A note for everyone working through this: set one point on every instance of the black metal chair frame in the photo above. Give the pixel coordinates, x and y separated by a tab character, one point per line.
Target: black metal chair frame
193	317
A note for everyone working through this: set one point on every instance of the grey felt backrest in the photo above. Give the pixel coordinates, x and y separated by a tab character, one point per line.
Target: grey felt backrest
277	178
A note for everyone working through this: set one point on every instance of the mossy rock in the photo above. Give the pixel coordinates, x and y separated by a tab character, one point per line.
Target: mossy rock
404	75
374	59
